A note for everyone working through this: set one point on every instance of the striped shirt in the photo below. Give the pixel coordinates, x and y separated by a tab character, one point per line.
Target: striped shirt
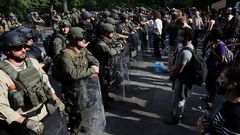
227	120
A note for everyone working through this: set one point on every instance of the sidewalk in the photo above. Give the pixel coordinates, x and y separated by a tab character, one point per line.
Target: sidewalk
147	104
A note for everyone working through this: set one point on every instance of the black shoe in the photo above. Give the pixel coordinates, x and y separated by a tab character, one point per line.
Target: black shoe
172	121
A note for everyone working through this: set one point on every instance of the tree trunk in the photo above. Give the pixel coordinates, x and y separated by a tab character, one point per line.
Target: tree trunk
65	6
51	6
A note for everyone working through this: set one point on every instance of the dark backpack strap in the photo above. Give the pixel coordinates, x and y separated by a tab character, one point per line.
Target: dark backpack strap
189	49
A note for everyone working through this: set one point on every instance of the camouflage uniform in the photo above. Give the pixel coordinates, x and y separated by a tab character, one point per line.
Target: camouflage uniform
55	20
60	40
81	92
13	22
74	17
104	50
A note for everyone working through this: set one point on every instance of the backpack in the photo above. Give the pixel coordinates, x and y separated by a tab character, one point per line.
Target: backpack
48	43
228	56
57	72
195	71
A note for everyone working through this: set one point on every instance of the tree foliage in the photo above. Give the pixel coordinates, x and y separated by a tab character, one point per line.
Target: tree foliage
22	7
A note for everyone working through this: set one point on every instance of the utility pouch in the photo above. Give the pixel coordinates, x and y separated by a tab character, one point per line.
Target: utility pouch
19	98
40	92
33	98
13	102
16	99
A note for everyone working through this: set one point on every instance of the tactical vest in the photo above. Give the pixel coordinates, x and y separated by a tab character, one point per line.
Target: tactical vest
29	85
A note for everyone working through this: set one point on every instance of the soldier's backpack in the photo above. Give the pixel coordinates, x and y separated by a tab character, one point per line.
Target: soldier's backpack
57	72
48	43
195	71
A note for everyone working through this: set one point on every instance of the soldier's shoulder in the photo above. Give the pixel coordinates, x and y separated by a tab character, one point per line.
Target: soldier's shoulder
5	79
34	62
68	52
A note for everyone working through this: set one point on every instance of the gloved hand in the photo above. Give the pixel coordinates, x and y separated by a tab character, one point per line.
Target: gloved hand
59	105
35	126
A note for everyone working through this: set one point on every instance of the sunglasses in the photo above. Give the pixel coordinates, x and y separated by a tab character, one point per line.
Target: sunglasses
19	48
80	39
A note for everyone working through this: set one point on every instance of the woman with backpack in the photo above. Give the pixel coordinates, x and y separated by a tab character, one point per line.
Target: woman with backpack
215	61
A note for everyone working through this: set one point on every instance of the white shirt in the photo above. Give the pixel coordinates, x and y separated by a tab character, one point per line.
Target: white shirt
158	25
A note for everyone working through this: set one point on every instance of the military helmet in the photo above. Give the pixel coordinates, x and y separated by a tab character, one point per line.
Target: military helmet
107	28
124	16
83	10
28	32
76	33
130	14
64	23
114	16
110	20
142	9
74	10
106	13
12	39
35	14
114	11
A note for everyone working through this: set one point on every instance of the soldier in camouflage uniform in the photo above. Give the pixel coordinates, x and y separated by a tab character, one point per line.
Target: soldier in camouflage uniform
74	17
55	20
67	16
60	40
38	24
3	22
104	50
13	22
80	86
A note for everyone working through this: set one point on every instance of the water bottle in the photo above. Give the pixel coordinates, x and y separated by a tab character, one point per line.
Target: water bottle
16	96
158	67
